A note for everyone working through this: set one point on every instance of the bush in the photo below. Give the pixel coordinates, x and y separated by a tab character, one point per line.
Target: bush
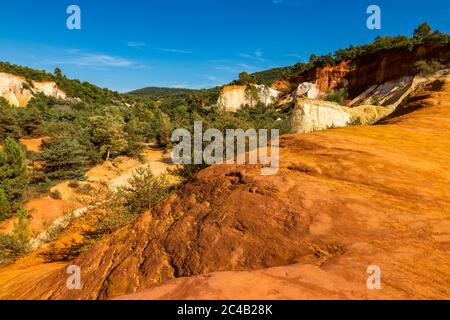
16	244
4	205
427	68
144	191
338	96
187	171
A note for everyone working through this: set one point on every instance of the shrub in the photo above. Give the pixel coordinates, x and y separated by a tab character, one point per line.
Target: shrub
187	171
16	244
427	68
4	205
144	190
338	96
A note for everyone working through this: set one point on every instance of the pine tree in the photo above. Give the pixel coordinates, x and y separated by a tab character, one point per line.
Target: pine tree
63	158
8	124
13	172
4	205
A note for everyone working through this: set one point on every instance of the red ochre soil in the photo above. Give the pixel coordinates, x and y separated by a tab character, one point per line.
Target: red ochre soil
343	200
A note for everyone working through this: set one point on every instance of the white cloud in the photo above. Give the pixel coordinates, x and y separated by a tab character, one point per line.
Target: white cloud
257	55
99	61
136	45
295	55
181	51
93	60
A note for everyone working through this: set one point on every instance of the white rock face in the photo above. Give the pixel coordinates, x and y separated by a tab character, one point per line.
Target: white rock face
307	90
233	98
18	92
386	93
267	95
376	103
311	115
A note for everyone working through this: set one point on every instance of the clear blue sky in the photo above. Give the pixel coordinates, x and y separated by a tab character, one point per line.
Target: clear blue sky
128	44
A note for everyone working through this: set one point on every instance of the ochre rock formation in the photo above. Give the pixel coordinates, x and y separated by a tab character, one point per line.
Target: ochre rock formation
373	69
343	200
233	98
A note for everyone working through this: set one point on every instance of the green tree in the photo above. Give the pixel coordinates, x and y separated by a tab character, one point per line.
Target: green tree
108	134
4	205
63	158
313	59
20	229
8	123
144	191
423	32
58	73
30	121
13	172
245	78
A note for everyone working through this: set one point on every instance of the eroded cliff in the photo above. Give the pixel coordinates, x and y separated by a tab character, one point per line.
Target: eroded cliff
18	91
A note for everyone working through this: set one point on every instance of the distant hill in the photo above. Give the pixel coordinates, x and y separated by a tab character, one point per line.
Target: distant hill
160	92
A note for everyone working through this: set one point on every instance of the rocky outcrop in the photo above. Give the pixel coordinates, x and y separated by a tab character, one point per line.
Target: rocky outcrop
307	90
373	69
311	115
328	78
374	104
233	98
343	200
18	91
379	68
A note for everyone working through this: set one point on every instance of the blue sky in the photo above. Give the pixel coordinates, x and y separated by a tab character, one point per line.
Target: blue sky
124	45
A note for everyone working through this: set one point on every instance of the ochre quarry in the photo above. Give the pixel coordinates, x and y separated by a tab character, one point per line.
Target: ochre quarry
344	199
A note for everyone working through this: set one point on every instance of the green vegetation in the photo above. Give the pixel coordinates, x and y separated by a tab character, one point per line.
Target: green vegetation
63	158
16	244
13	177
338	96
427	68
97	124
144	191
157	93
